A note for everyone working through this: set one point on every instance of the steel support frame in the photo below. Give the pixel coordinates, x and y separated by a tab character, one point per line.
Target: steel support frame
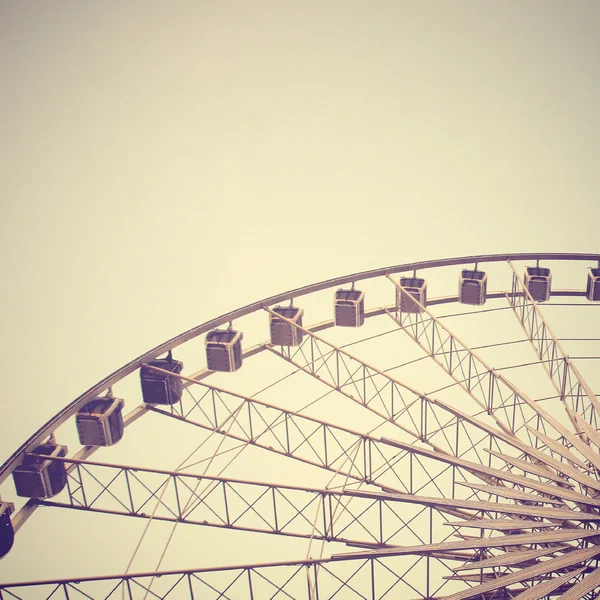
366	520
429	420
426	418
385	463
491	390
263	506
361	458
351	454
369	386
469	371
252	506
568	382
436	339
376	578
154	491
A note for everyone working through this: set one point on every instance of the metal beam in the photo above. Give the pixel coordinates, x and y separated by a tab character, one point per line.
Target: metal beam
428	418
372	578
499	475
490	388
545	588
413	412
348	453
564	375
236	504
270	428
479	380
585	586
486	543
536	571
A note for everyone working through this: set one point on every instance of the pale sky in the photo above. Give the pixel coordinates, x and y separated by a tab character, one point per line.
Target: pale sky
165	162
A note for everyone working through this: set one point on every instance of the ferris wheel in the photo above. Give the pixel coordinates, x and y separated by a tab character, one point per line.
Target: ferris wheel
426	430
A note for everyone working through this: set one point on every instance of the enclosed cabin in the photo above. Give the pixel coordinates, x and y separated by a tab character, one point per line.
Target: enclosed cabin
224	350
100	422
349	308
39	477
472	287
414	288
593	285
7	533
282	332
162	388
537	281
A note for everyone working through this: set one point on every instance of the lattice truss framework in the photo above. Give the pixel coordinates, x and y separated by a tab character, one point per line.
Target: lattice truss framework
496	499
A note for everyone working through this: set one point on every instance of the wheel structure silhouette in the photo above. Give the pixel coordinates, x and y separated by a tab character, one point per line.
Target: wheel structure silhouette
427	430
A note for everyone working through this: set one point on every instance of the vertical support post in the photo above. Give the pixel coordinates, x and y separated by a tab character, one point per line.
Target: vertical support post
250	589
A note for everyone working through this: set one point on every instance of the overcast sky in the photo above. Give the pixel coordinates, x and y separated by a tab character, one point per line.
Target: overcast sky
165	162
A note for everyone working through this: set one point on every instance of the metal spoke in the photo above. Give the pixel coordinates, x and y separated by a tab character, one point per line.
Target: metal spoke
564	375
259	507
480	381
328	576
388	397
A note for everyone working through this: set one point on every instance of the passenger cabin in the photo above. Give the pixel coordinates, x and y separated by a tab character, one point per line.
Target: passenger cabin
100	422
349	308
472	287
593	285
7	533
160	388
37	477
537	281
415	288
282	332
224	350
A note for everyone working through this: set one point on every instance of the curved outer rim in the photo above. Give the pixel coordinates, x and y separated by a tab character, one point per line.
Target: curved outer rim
69	410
